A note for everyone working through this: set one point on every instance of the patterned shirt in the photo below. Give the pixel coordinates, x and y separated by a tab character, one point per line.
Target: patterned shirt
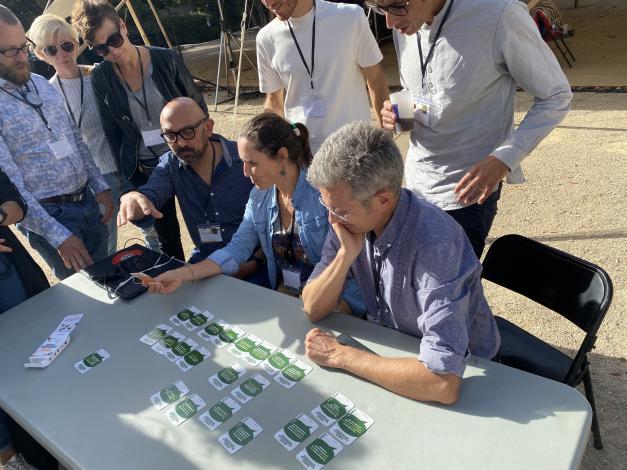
28	159
429	285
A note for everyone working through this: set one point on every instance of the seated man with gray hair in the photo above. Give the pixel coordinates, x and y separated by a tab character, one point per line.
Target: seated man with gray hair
413	263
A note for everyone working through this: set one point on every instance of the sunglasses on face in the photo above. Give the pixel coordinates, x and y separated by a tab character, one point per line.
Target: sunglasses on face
13	51
187	133
115	40
397	9
52	49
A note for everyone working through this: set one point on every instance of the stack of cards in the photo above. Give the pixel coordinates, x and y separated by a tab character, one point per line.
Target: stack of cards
55	343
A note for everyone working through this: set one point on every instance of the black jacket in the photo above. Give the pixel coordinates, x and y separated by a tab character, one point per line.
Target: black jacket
30	273
171	78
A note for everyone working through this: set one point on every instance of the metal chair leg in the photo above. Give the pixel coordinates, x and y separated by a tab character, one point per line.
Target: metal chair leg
596	431
567	48
562	52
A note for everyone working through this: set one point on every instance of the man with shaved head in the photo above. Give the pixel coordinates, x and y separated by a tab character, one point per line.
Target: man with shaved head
204	171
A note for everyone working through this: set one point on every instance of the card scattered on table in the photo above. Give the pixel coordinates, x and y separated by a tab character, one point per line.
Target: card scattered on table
250	388
351	426
169	395
91	361
197	319
226	376
185	409
193	358
277	361
293	373
244	345
181	349
228	335
319	452
332	409
260	353
212	330
154	335
219	413
168	342
240	435
296	431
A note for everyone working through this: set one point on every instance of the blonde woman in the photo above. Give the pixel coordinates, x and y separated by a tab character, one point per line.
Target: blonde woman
56	43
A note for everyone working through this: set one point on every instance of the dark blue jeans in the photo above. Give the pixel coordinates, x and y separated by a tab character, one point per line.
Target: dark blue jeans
476	220
83	220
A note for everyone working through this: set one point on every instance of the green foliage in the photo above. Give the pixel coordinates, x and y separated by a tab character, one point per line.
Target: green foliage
25	10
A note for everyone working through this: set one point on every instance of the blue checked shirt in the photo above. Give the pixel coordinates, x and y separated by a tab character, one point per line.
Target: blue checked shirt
28	161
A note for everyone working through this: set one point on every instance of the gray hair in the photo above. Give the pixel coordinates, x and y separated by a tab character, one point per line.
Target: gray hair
364	157
7	16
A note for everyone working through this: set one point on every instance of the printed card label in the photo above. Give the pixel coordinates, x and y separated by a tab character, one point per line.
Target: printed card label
169	395
184	315
296	431
244	345
168	342
293	373
219	413
185	409
277	361
182	348
240	435
91	361
260	353
319	452
154	335
193	358
351	426
332	409
212	330
226	376
250	388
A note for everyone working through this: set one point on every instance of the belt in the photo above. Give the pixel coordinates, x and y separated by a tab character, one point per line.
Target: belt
63	198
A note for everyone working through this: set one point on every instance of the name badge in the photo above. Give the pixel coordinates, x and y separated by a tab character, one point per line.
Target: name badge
314	106
152	137
210	233
291	277
422	110
61	148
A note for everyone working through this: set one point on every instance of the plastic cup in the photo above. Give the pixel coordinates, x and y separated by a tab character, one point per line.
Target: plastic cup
403	106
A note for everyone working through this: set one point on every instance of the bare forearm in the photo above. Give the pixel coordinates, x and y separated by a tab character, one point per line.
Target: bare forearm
378	89
194	272
14	212
274	103
321	295
405	376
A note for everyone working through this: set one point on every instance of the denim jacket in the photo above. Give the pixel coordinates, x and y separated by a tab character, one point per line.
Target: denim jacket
256	228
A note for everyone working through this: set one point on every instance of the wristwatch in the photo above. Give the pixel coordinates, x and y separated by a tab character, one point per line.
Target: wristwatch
3	215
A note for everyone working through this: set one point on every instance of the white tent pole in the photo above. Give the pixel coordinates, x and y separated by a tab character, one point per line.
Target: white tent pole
142	33
215	101
241	55
165	35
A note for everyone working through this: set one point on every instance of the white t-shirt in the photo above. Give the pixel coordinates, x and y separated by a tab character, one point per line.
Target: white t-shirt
344	44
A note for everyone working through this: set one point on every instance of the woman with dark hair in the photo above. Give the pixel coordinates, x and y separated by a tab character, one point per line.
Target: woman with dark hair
132	85
283	215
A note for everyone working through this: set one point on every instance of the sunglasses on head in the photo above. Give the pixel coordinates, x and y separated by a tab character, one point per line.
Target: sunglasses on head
115	40
52	49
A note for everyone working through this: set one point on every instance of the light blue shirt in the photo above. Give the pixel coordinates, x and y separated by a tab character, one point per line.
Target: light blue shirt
29	162
262	210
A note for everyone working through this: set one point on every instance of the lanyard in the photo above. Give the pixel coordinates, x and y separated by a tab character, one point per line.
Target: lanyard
313	46
80	116
384	317
289	252
32	99
144	105
423	64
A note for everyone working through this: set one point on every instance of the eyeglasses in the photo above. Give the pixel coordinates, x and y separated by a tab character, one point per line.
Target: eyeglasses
343	217
13	51
52	49
115	40
398	9
187	133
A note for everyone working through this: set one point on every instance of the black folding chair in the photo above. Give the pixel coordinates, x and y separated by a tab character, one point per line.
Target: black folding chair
576	289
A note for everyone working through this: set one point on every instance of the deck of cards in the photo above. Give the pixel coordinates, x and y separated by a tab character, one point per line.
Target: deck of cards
55	343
